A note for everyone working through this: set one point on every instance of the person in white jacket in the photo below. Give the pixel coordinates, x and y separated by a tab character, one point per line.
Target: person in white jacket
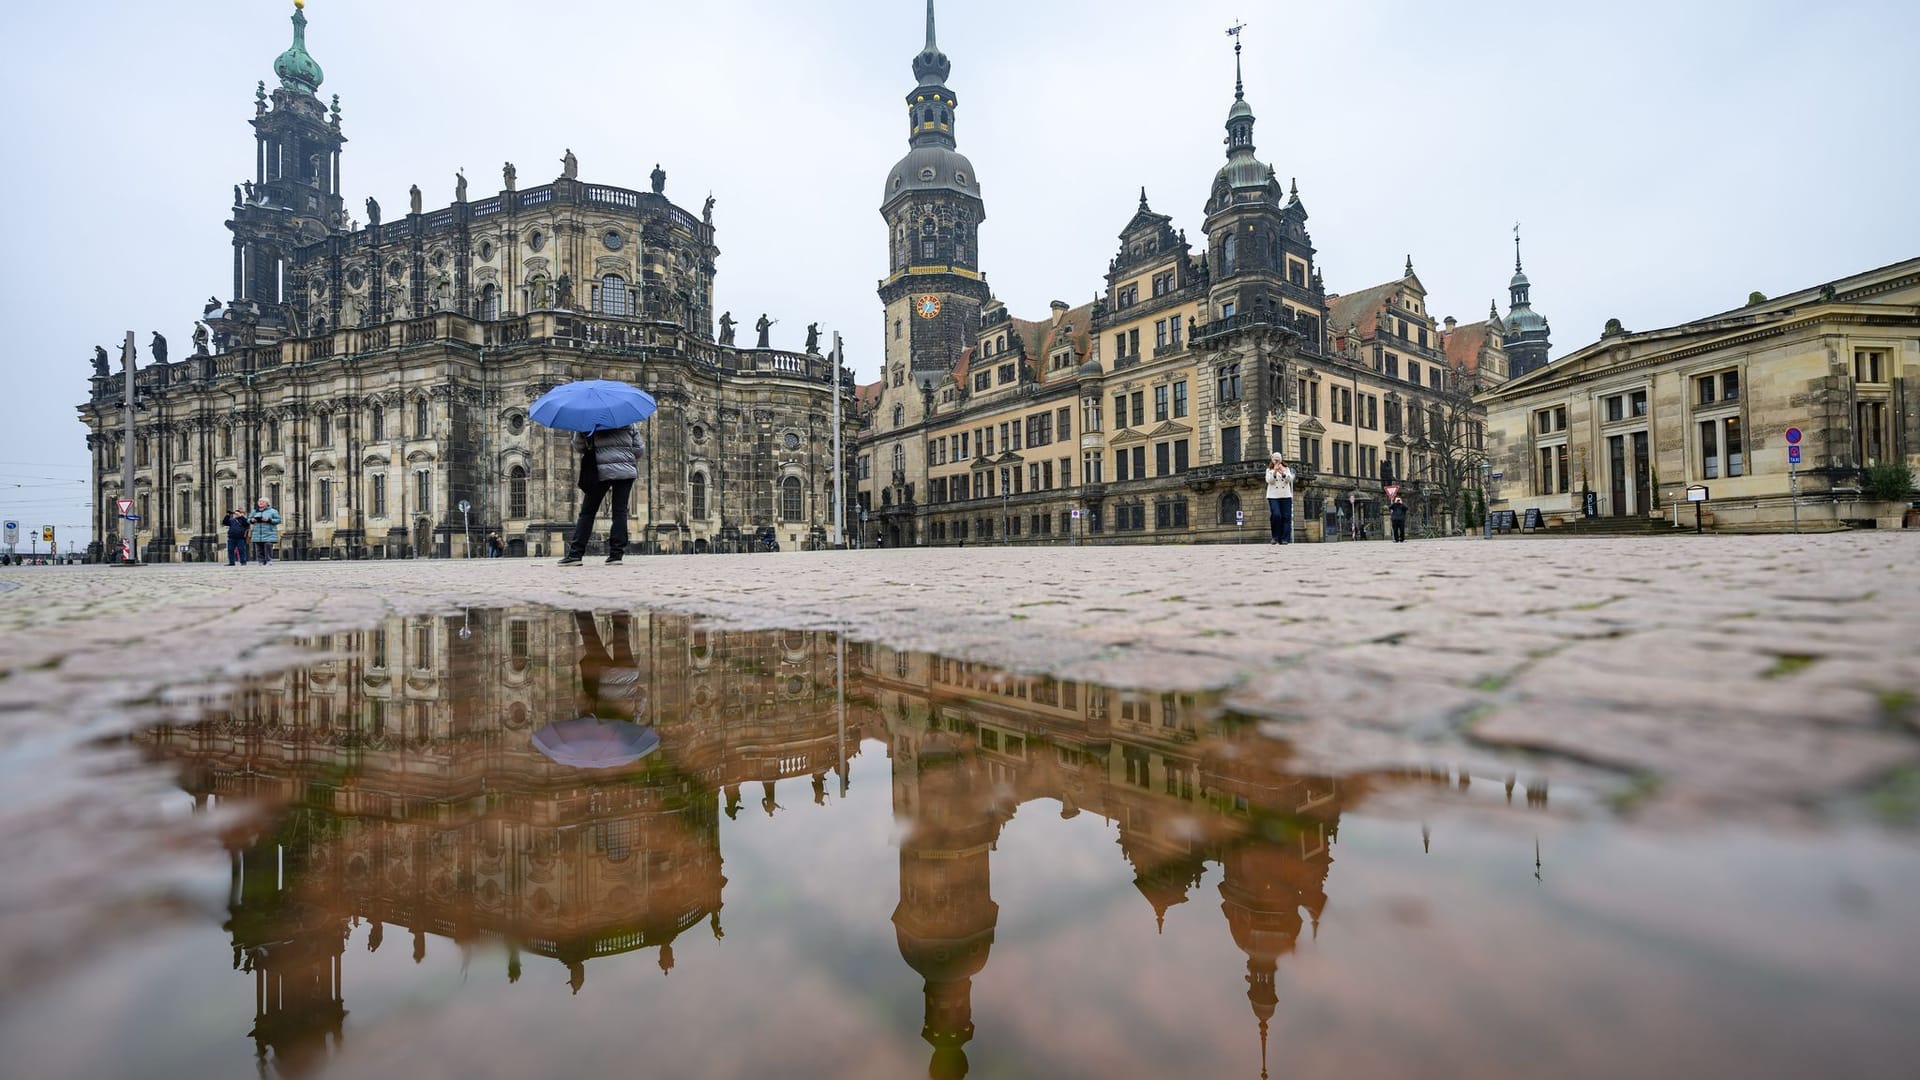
1280	499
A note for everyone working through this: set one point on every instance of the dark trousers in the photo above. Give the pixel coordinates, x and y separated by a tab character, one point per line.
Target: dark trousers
1280	518
236	551
1399	529
263	550
590	509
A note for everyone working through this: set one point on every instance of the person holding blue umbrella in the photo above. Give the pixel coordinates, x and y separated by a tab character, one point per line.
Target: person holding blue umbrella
603	415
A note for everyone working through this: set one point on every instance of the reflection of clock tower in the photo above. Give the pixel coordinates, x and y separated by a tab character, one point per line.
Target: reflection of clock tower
933	290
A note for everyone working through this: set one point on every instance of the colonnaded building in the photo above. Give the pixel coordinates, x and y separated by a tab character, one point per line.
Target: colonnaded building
373	380
1624	426
1148	414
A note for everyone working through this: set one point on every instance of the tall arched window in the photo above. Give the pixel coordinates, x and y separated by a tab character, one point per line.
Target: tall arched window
700	496
377	423
1230	508
420	418
899	415
899	459
613	295
1227	255
790	499
517	491
489	302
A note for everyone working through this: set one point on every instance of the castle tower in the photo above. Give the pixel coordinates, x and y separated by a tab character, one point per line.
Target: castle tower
933	290
1527	329
294	197
945	920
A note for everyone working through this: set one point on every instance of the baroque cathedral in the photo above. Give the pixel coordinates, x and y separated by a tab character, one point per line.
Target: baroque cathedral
373	379
1148	414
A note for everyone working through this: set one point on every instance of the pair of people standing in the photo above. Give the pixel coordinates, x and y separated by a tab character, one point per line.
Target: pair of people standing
609	464
1280	499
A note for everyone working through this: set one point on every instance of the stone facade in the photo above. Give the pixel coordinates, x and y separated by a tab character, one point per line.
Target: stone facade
1636	418
370	379
1148	414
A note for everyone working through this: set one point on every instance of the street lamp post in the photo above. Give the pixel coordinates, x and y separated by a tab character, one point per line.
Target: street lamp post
129	549
1486	517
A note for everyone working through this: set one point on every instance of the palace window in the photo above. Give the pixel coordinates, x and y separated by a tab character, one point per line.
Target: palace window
1228	386
226	497
1229	445
1550	475
1870	365
1119	412
1063	420
377	423
1550	421
1309	451
420	418
899	415
1160	403
517	492
1413	371
1719	386
1342	458
899	462
613	295
983	380
1163	284
1393	365
1129	295
377	492
1006	373
1370	462
790	499
1180	399
1721	448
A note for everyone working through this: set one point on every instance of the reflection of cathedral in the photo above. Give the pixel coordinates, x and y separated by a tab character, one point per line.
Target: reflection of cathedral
409	807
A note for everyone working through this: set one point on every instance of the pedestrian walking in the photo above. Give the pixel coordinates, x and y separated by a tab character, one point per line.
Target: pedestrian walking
1397	513
609	463
236	525
266	530
1280	499
494	546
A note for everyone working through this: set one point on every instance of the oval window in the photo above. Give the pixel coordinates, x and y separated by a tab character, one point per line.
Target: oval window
486	251
613	240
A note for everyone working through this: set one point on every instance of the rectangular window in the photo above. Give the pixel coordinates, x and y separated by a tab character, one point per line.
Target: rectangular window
1637	402
1063	419
1139	463
1393	366
1119	411
1139	407
1870	365
226	499
1013	435
983	380
1162	458
324	497
1120	470
423	492
1870	444
1007	374
273	495
1616	408
1033	476
1433	378
1090	468
1180	456
1229	444
1160	403
1159	334
1413	371
324	429
1710	449
1180	399
186	509
1174	331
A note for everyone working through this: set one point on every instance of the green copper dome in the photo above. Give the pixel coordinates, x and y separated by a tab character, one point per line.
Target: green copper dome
297	69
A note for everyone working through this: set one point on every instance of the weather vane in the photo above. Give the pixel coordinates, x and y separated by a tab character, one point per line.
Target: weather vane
1234	30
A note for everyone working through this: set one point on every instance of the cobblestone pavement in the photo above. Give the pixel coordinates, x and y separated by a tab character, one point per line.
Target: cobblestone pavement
1722	671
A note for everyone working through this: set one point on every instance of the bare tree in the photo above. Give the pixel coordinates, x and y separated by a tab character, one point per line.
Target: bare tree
1450	441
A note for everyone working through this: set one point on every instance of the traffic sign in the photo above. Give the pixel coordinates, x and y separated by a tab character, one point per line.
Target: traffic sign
1793	436
47	534
1239	517
465	506
1076	515
13	532
126	505
1793	455
1393	491
129	517
1499	476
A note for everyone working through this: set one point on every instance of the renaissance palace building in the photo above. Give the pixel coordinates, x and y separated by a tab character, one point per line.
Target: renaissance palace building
373	379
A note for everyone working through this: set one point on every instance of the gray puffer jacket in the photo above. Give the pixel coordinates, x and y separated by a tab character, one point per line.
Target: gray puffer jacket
616	453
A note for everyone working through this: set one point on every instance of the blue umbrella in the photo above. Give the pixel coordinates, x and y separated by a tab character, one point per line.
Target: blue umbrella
589	743
592	405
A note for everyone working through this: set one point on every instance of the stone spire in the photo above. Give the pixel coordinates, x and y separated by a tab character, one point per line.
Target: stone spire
297	69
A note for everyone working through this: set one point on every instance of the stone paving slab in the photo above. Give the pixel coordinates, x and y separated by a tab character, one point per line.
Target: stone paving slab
1718	669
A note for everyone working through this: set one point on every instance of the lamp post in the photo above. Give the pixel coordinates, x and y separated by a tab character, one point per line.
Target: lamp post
1486	517
129	550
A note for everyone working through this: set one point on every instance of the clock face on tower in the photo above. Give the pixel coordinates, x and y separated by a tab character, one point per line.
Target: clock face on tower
926	306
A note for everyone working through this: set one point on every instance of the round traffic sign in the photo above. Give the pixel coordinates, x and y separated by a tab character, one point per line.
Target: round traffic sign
1793	435
465	506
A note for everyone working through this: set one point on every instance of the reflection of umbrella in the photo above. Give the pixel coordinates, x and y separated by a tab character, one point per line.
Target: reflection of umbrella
589	743
592	405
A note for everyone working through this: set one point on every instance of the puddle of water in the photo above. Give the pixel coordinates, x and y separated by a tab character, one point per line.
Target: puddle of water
802	856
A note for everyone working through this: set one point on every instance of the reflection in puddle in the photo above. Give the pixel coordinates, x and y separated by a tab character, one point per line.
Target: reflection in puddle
551	788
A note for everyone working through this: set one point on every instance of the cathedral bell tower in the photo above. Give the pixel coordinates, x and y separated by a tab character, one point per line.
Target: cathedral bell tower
933	290
294	196
1528	333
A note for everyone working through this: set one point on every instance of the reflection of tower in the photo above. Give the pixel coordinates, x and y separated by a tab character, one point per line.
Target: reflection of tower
946	916
293	951
1268	881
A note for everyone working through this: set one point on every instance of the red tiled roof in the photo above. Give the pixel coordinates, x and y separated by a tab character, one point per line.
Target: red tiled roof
1464	344
1360	308
868	395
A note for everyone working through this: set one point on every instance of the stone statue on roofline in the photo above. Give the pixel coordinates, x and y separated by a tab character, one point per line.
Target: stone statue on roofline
508	175
764	325
569	166
460	186
413	199
726	328
200	336
100	362
373	212
158	347
813	337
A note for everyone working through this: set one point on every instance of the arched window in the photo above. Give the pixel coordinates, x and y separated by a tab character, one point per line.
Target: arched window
613	295
1230	508
790	499
900	460
899	415
926	239
1227	255
489	302
517	491
420	418
377	423
700	496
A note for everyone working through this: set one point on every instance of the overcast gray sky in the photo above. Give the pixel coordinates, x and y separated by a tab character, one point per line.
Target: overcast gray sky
1664	158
